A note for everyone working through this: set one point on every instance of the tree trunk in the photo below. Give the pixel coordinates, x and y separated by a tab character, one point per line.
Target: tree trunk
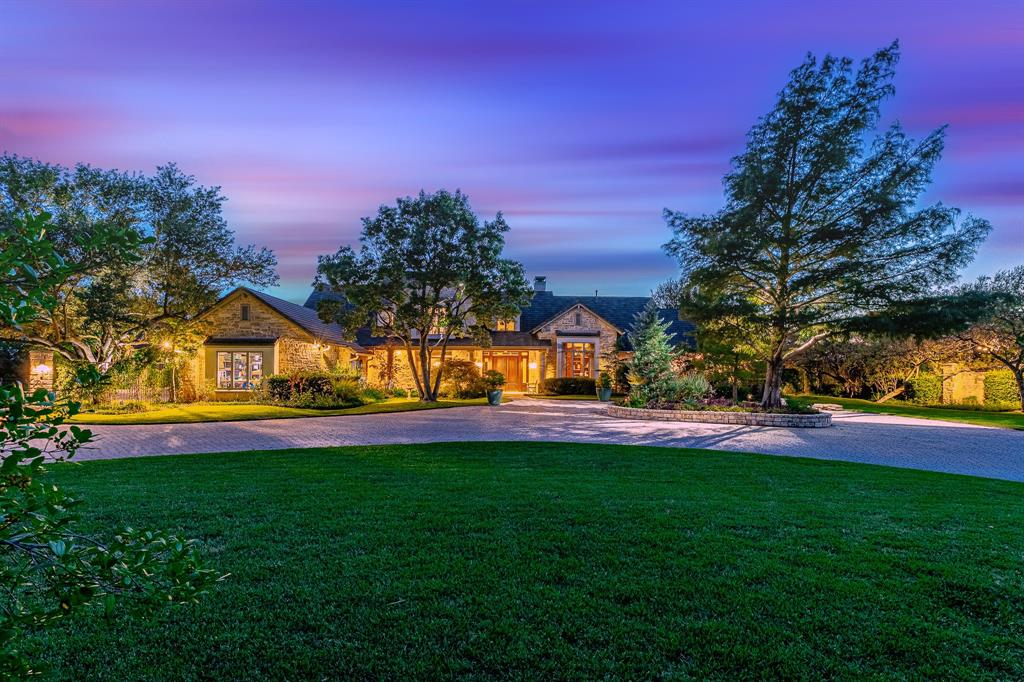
1018	374
427	392
772	396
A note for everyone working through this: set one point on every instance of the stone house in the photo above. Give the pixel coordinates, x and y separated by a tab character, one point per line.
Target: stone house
252	334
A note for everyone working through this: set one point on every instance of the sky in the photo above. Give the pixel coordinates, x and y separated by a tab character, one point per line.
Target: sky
580	121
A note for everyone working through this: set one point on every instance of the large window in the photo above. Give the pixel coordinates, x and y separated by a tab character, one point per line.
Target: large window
239	370
579	359
506	325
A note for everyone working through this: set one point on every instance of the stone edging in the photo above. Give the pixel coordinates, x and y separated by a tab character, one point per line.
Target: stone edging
805	421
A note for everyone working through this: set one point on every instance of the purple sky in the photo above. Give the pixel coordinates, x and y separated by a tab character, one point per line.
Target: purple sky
580	122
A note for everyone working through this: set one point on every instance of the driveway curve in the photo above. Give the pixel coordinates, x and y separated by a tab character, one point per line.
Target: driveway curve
855	436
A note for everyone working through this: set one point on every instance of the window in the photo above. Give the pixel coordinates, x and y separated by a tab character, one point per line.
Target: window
506	325
579	318
239	370
245	311
579	359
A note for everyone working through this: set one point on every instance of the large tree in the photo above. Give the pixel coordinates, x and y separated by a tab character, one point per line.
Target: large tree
188	253
821	225
999	333
427	270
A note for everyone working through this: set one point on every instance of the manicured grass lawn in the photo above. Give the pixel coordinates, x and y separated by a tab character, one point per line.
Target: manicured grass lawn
223	412
1007	420
557	561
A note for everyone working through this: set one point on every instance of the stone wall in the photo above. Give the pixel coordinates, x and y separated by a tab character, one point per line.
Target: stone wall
225	319
799	421
566	325
32	368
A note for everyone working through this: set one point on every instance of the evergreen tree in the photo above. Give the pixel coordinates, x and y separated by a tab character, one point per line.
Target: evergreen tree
651	375
822	225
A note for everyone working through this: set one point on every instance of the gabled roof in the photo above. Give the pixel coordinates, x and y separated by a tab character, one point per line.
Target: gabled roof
619	311
304	317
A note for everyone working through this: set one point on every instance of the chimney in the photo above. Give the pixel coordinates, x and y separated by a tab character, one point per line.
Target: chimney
540	283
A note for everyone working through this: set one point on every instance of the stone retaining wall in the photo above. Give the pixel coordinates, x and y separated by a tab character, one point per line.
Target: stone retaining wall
806	421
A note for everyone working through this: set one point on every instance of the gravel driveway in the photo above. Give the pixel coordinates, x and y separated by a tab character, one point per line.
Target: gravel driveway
855	437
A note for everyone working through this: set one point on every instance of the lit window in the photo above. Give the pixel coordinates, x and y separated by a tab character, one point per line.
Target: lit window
245	311
506	325
579	359
239	370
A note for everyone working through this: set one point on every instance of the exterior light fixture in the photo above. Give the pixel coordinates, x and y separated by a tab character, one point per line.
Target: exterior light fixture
42	369
167	345
478	363
533	365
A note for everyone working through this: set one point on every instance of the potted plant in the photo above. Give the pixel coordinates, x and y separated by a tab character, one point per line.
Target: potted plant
493	380
604	387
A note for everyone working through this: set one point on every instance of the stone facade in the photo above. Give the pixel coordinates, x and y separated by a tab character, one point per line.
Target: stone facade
576	324
799	421
294	350
33	368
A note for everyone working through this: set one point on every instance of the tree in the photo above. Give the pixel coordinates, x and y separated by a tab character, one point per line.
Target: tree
651	371
820	228
108	302
427	270
47	569
999	333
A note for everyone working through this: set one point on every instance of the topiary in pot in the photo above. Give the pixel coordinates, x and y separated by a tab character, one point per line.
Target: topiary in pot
494	381
604	387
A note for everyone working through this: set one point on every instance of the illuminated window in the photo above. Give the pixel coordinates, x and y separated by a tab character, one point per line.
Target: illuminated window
506	325
239	370
579	359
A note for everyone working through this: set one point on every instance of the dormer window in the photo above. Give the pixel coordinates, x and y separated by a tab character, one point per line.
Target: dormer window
506	325
244	312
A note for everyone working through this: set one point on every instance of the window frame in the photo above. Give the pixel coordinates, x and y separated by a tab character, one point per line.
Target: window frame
232	382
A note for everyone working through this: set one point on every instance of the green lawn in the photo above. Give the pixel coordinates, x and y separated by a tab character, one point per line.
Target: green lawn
556	561
225	412
1007	420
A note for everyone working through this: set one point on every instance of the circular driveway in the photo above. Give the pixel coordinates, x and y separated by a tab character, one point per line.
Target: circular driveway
854	437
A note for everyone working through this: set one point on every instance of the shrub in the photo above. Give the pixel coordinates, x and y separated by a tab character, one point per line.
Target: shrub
283	387
604	380
461	379
373	395
925	388
1001	388
493	380
689	388
569	386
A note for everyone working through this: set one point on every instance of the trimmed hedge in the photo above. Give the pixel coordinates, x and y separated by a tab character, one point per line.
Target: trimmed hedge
569	386
286	386
925	388
1001	388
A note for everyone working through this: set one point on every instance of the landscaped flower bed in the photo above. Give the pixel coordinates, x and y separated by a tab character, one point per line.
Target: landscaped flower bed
720	415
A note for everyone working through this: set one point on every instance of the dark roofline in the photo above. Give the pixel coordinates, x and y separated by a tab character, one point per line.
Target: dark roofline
280	306
580	304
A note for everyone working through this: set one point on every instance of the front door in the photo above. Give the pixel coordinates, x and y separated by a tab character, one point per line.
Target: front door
512	364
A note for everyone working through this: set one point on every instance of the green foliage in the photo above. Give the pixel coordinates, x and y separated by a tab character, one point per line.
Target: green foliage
427	270
999	332
822	225
47	568
493	379
652	378
462	380
925	388
311	389
1001	388
604	380
568	386
689	388
146	251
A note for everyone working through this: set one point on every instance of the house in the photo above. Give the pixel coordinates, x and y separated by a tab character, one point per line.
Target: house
253	334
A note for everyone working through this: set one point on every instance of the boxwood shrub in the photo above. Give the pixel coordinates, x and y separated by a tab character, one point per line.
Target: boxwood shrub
569	386
925	388
1001	388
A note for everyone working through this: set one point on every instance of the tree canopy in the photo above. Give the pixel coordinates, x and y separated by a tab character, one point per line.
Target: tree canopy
427	270
822	224
187	258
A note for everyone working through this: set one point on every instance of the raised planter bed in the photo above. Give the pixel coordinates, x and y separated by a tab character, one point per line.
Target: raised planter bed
800	421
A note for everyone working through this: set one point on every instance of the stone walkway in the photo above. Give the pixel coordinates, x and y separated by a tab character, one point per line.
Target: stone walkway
855	437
